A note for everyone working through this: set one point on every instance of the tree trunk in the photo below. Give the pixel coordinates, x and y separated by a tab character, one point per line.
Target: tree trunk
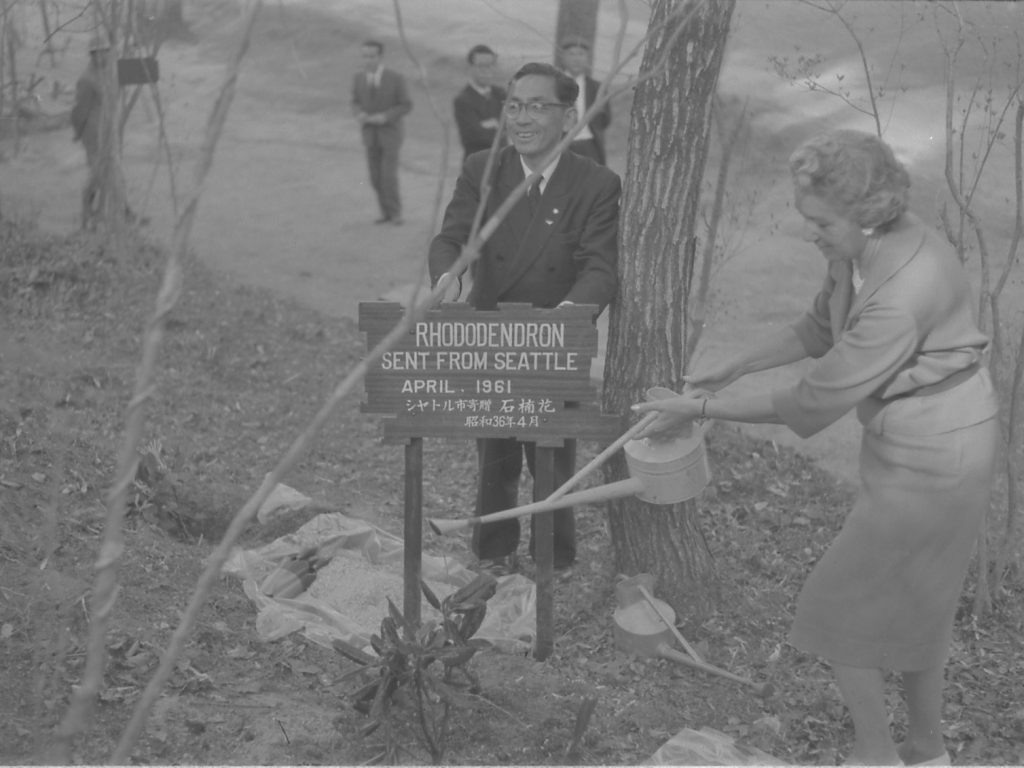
111	205
669	133
174	12
112	184
576	19
168	20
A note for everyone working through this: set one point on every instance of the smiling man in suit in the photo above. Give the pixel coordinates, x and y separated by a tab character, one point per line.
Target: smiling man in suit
558	247
379	102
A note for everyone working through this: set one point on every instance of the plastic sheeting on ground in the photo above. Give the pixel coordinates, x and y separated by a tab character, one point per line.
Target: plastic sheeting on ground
510	623
709	747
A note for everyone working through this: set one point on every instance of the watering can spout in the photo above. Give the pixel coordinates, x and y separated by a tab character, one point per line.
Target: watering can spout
661	472
617	490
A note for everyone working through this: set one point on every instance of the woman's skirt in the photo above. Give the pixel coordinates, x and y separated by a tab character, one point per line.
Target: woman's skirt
885	593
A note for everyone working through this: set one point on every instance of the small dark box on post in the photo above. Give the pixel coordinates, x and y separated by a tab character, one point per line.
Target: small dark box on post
137	71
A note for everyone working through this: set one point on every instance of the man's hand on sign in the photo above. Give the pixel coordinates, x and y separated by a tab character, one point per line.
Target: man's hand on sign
451	288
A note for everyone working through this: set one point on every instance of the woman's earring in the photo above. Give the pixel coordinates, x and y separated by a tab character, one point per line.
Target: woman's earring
868	231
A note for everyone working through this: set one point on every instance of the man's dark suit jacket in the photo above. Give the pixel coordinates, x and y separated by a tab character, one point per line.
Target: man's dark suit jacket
601	120
391	98
567	252
472	108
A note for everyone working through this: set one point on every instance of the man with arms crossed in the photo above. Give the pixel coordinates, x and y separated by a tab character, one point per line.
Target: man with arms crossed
478	105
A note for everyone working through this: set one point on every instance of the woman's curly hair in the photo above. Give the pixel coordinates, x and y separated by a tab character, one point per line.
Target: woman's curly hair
856	172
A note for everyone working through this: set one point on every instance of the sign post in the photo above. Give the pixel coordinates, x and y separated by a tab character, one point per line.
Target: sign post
517	371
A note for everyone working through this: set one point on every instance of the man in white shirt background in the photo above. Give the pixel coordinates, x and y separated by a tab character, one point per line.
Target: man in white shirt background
380	100
589	142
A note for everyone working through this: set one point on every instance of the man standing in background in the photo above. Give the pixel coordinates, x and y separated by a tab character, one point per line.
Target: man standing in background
86	119
589	141
379	102
478	105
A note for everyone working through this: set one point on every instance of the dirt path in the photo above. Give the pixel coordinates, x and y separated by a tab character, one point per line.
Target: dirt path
287	205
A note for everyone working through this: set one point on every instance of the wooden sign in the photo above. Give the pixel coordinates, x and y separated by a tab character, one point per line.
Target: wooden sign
517	372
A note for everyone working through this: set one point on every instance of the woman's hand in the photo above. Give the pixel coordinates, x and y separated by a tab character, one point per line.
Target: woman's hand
675	413
711	378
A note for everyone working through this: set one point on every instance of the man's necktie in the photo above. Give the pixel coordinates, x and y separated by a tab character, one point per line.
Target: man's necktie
533	194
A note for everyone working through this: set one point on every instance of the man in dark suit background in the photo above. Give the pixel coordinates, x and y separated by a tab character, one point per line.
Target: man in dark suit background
478	105
589	142
559	247
379	102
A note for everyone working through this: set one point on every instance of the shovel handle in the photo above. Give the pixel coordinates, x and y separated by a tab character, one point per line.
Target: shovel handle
615	490
761	690
669	624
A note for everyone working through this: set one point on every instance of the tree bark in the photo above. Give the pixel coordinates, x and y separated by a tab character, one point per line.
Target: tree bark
576	19
669	134
167	19
113	195
174	12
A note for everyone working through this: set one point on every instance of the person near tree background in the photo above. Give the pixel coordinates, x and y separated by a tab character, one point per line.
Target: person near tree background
558	244
379	102
478	105
589	142
86	125
893	336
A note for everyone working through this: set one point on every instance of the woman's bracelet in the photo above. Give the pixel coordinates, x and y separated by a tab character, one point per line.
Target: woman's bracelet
704	408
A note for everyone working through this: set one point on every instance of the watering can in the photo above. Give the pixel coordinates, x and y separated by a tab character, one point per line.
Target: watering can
662	471
645	626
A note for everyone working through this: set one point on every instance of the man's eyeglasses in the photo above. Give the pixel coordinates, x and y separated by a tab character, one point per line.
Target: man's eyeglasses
535	109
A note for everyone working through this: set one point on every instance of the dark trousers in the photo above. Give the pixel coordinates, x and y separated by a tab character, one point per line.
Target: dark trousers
500	465
382	162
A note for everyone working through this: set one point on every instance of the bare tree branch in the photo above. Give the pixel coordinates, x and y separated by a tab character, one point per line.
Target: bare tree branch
698	311
836	8
106	589
1013	440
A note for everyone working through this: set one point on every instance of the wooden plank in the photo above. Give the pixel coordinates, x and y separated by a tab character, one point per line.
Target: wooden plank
413	523
543	528
517	371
